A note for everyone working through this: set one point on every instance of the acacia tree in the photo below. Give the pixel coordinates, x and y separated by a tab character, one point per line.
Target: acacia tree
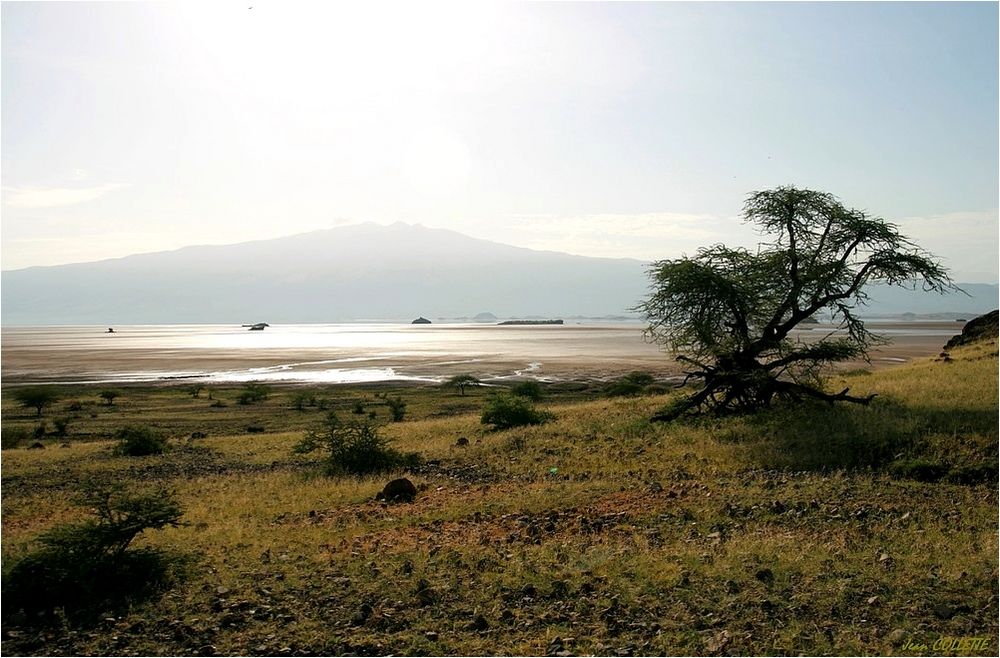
729	313
461	381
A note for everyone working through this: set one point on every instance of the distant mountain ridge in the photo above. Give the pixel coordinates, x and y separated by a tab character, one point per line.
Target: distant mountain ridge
395	272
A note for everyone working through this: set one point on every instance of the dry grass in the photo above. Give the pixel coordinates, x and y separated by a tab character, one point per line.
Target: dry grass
784	533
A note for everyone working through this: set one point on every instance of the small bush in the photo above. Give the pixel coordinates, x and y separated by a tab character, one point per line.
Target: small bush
62	426
300	400
252	393
504	411
355	448
109	396
397	408
634	383
139	440
528	389
40	431
85	567
12	437
918	469
75	405
358	408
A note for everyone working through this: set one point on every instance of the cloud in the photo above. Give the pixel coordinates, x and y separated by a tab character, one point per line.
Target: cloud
51	197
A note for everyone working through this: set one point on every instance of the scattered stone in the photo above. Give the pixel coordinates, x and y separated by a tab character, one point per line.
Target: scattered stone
431	635
872	600
462	441
896	637
398	490
222	590
362	615
656	487
718	643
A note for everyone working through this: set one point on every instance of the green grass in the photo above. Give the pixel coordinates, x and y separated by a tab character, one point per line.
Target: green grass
794	531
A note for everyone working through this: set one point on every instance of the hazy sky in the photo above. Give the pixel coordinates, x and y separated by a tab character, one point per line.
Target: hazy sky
613	129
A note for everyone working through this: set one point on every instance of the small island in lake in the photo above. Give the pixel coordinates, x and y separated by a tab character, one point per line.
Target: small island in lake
421	320
528	322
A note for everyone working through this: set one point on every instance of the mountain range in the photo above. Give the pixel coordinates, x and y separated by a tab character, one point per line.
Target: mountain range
358	272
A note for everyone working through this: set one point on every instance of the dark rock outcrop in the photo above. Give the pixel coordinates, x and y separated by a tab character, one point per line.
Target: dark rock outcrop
398	490
982	328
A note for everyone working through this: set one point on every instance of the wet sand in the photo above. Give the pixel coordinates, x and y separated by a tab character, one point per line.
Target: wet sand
371	353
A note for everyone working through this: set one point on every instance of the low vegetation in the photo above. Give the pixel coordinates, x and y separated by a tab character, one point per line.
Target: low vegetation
802	529
504	411
84	568
353	448
139	441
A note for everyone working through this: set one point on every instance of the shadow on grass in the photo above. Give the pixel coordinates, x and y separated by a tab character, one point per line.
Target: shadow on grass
956	443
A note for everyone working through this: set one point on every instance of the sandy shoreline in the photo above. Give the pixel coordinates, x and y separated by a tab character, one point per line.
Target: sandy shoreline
548	354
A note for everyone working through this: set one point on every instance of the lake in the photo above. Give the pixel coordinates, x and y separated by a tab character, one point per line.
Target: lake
342	353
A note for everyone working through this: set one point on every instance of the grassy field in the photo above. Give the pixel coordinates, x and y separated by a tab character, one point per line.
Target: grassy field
810	529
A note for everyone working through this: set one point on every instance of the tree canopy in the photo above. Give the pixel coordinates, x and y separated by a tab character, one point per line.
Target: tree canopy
728	313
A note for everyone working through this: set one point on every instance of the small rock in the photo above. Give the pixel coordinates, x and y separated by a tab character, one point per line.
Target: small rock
209	650
431	635
462	441
896	637
872	600
479	624
222	590
398	490
362	615
656	487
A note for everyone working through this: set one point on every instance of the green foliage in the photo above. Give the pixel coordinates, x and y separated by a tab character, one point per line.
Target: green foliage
634	383
354	448
194	390
397	408
109	395
529	389
504	411
253	392
12	437
300	399
40	430
62	425
358	408
461	381
86	566
36	397
918	469
727	313
139	440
